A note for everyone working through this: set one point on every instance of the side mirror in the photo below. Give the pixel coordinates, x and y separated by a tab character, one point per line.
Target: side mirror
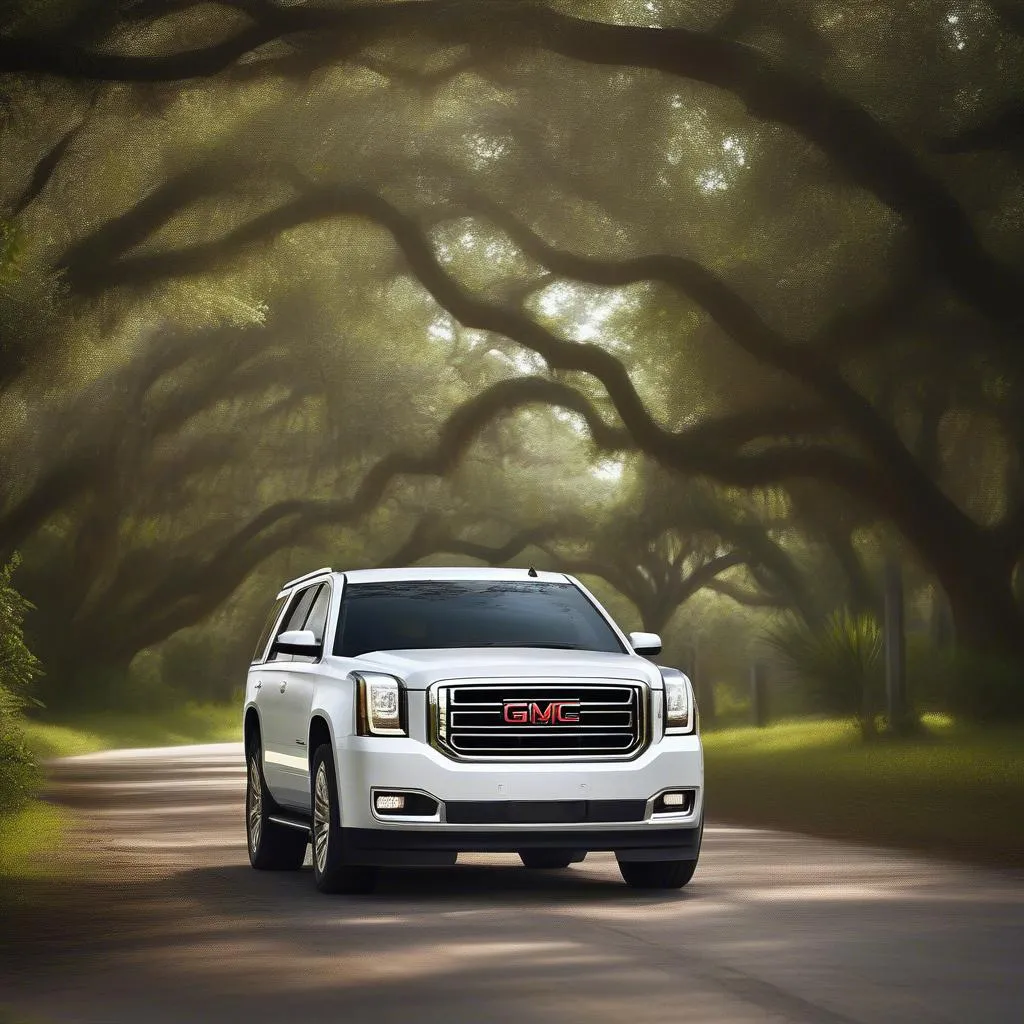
645	643
298	641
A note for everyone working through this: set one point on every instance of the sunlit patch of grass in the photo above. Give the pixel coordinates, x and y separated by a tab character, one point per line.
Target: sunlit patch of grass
107	730
24	835
956	790
784	736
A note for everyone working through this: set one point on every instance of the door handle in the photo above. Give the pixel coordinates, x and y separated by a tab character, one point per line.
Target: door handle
284	686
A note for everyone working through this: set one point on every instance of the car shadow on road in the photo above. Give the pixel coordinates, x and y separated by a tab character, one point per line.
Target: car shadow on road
471	884
127	909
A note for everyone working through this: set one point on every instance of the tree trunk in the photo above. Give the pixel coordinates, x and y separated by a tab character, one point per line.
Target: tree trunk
655	616
863	597
974	568
986	614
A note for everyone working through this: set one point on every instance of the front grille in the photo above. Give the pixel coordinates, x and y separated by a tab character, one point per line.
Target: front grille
543	721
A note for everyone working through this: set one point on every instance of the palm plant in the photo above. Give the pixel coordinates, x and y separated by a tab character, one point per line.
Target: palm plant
839	663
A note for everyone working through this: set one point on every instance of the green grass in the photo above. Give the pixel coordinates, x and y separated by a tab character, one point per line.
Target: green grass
956	792
27	877
23	834
108	730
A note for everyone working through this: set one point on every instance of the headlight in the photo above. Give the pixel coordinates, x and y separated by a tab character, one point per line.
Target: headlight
680	707
381	705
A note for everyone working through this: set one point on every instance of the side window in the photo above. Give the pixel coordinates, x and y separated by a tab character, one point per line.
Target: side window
268	628
296	617
316	620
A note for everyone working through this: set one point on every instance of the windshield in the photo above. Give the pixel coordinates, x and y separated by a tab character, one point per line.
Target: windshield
406	615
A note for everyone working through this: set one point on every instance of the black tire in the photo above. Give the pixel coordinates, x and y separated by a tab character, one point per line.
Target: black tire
272	847
661	874
657	874
330	871
547	860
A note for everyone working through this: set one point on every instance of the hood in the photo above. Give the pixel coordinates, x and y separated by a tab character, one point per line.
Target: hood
418	669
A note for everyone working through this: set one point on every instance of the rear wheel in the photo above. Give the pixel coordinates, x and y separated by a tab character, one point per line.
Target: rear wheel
272	847
331	872
540	860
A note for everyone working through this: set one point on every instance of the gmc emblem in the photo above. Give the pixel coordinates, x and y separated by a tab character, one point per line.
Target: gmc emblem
556	712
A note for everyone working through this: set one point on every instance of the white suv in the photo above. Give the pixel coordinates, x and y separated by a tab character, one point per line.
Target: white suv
400	716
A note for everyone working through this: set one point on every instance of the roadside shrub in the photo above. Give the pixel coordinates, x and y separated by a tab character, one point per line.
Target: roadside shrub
18	668
838	664
970	685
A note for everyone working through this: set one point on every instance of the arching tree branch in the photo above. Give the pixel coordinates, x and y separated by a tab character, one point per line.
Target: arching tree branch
47	165
895	479
430	537
868	153
746	597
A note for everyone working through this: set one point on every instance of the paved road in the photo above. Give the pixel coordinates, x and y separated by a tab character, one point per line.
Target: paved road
175	927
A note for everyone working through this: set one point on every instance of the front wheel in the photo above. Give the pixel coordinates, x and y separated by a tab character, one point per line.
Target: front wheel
272	847
330	871
657	874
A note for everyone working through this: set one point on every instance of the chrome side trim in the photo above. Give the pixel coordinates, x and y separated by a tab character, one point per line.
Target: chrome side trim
290	822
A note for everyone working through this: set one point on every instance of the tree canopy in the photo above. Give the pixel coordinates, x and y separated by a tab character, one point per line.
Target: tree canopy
674	295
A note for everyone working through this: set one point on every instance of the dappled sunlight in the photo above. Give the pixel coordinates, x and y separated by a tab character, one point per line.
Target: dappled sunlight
265	966
716	306
883	891
584	311
770	921
610	470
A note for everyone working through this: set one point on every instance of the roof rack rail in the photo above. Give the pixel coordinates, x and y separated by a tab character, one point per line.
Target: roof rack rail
309	575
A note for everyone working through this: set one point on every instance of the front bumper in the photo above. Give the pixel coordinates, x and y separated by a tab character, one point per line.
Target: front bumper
433	847
582	806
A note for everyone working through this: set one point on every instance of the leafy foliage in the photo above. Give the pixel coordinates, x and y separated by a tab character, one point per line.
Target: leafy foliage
18	668
229	287
839	662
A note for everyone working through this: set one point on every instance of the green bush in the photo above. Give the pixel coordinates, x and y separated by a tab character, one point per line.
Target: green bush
18	668
839	664
970	685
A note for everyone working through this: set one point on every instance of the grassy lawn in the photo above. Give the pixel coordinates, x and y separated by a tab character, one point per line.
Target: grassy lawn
108	730
26	873
22	835
957	793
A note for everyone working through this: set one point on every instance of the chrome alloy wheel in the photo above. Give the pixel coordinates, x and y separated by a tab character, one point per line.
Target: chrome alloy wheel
321	817
255	805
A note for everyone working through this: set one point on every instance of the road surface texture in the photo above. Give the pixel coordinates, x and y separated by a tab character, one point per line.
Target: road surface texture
169	923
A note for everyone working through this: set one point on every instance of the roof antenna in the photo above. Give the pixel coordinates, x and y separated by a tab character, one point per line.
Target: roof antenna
532	571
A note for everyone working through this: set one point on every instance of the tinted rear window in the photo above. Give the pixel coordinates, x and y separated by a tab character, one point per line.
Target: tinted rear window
406	615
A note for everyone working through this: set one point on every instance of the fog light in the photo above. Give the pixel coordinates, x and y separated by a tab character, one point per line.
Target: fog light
390	802
677	801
